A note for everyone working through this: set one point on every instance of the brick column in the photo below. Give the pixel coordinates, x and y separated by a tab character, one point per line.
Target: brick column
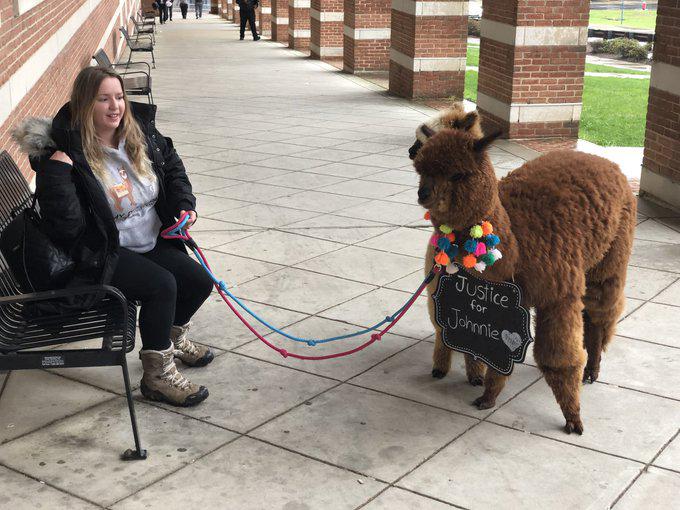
280	21
214	6
230	10
224	10
531	65
298	24
429	44
367	35
236	13
661	161
326	28
264	17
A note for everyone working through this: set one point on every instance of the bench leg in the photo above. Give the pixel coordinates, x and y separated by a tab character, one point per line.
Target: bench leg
153	60
138	453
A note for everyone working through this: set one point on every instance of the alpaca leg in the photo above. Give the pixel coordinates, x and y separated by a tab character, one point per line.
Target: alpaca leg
474	369
604	299
560	356
441	359
494	382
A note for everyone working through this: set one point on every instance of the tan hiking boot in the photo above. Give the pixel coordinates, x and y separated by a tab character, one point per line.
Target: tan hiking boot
163	382
191	354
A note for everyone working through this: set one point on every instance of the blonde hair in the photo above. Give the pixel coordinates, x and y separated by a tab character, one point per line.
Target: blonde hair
83	97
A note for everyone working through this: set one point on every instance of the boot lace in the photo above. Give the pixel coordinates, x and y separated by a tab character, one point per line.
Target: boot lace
184	345
174	377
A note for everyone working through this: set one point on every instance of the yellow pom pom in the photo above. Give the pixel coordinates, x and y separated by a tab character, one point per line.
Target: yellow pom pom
442	258
469	261
476	232
445	229
487	228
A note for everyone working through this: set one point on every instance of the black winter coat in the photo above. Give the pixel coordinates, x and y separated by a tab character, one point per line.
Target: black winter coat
74	209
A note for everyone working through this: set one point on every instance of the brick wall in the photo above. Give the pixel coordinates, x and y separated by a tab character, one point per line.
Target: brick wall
299	29
264	17
326	29
366	38
22	39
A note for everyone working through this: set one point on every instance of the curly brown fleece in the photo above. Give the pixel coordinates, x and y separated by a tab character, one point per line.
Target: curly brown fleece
566	223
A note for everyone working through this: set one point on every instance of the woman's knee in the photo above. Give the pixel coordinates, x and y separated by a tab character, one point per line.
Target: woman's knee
164	285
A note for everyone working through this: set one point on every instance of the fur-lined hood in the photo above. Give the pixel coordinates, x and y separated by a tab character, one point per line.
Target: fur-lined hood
34	136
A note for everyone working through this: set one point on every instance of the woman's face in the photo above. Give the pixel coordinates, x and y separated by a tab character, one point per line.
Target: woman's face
109	106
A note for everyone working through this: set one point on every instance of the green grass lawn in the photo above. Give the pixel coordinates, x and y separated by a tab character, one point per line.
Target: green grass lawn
631	18
614	109
598	68
473	55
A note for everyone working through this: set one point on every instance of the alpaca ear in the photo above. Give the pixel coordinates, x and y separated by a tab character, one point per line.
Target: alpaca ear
481	144
427	131
467	122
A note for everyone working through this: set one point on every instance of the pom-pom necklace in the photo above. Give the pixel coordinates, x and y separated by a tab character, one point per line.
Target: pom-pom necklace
480	250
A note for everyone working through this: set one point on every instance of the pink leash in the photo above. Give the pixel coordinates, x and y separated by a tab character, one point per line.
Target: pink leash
169	234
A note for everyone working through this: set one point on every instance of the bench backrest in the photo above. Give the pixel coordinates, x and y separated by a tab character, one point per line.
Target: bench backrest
102	58
15	196
124	31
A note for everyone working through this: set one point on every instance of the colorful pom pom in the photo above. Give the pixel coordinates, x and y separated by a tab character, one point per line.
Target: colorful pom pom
469	261
491	240
488	259
443	244
496	254
452	252
452	268
470	245
480	249
451	237
476	232
426	215
487	228
445	229
434	239
442	258
480	266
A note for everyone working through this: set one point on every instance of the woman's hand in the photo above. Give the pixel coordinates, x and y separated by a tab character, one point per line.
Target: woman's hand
63	157
191	220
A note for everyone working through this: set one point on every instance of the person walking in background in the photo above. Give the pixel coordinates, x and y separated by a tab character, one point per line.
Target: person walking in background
199	8
247	13
168	5
184	7
162	11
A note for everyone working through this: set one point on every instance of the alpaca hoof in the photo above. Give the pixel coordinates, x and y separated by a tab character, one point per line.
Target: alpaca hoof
574	425
482	403
437	374
590	375
476	380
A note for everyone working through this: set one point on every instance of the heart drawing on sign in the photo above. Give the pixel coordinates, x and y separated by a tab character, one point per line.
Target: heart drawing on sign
512	340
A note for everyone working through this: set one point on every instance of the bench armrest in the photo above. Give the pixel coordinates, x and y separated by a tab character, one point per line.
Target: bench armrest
127	66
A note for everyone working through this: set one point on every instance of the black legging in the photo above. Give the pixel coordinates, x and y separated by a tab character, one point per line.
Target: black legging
249	16
168	283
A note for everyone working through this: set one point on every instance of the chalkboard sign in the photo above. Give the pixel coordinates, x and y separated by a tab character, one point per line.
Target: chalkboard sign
482	318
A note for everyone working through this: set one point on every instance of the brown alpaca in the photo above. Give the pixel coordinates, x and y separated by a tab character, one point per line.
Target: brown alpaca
566	223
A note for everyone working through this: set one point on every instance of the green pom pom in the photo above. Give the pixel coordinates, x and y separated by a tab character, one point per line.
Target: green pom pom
476	232
488	259
446	229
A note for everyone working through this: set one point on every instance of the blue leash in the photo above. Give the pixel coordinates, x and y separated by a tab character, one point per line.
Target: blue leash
177	233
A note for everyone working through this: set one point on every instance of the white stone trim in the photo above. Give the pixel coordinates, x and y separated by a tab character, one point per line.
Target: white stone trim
266	10
299	4
326	51
417	8
363	34
665	77
326	16
534	36
526	112
229	2
300	33
23	6
421	64
13	91
115	20
660	187
236	8
280	21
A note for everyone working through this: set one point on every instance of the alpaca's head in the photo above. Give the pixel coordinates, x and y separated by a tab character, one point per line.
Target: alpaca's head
457	181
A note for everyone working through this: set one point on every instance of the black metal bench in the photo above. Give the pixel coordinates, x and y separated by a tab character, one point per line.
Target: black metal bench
136	81
141	43
112	319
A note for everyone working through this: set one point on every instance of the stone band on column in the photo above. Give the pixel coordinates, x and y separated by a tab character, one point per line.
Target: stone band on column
279	21
366	35
298	24
326	26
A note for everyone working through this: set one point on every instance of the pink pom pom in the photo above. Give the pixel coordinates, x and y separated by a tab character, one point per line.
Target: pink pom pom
434	239
480	250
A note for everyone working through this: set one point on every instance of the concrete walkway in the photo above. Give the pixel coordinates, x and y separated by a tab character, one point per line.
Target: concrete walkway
307	203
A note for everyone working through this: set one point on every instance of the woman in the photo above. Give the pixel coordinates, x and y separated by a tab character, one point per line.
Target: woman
113	183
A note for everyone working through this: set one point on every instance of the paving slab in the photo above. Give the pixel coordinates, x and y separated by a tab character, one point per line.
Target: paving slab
670	457
33	398
336	228
376	434
645	284
653	322
505	468
81	455
20	492
251	475
655	488
670	296
399	499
